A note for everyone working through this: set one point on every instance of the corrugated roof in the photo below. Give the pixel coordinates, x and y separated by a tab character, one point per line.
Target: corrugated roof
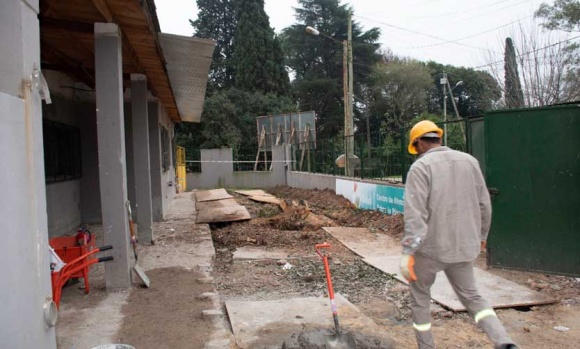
188	61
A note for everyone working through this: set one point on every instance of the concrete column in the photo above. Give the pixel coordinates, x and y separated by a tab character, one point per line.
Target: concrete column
111	137
23	218
155	157
140	128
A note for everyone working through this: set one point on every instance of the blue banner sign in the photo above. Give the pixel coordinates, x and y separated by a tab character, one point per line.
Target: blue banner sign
369	196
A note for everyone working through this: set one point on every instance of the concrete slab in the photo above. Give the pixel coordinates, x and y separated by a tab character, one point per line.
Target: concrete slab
383	252
268	324
213	194
266	199
223	214
209	205
257	192
259	253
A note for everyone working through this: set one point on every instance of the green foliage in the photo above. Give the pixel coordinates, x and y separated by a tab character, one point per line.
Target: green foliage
216	20
562	15
258	57
317	61
399	91
229	120
478	93
514	96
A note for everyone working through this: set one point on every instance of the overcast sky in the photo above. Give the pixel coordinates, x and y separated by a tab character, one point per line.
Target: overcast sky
421	29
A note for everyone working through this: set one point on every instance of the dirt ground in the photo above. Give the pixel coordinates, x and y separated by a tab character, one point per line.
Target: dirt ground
378	295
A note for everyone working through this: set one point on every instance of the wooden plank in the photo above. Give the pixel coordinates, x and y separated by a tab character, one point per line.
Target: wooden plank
213	194
266	199
223	214
364	243
208	205
258	192
384	253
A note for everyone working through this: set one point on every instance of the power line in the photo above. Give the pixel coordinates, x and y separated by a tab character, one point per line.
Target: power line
471	36
423	34
526	53
460	12
490	12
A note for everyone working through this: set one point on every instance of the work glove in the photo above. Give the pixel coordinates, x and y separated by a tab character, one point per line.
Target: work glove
408	267
483	245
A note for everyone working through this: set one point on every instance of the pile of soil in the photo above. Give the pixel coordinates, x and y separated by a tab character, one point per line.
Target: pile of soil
297	230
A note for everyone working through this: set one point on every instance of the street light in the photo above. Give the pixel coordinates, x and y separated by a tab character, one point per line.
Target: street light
347	76
445	83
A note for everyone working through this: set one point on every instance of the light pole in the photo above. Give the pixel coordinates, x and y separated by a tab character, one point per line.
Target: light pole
347	76
444	82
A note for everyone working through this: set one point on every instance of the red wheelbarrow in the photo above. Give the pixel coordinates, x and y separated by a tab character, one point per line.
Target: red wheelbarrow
75	267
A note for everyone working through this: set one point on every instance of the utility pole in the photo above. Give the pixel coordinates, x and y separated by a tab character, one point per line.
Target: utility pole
345	99
443	82
350	124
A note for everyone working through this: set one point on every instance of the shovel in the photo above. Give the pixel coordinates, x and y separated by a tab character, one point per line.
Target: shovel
136	267
336	339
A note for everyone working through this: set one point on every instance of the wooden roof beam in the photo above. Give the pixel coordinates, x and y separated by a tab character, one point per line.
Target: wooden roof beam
104	10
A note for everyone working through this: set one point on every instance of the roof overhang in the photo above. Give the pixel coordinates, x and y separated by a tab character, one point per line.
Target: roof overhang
188	61
67	45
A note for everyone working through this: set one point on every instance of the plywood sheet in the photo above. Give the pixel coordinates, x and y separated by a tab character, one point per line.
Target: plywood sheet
254	253
223	214
209	205
383	252
266	199
364	243
266	324
213	194
256	192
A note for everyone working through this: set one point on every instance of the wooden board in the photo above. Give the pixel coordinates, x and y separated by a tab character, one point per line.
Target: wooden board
208	205
266	199
223	214
258	192
384	253
364	243
261	253
211	195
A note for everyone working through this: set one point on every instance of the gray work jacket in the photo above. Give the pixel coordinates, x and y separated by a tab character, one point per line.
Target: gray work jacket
447	206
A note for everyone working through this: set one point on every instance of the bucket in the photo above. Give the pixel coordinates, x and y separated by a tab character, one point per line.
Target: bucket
114	346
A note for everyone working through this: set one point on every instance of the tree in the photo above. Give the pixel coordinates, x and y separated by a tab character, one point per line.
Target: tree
399	91
565	15
317	61
514	97
258	57
546	65
216	20
562	15
479	92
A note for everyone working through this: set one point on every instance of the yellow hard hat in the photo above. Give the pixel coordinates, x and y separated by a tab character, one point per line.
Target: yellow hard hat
421	128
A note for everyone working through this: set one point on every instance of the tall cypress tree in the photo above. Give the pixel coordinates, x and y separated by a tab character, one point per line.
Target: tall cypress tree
514	97
217	20
258	58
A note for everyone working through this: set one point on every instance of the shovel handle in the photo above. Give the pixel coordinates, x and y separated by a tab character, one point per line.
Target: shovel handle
318	247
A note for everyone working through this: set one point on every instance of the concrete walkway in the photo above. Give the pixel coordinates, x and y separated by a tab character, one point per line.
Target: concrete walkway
86	321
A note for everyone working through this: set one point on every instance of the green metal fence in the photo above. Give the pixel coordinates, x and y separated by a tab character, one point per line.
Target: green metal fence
533	166
382	156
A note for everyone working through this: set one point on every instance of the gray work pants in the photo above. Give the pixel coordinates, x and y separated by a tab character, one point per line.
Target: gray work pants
461	277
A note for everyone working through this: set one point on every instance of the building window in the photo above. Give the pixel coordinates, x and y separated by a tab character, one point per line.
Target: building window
165	148
62	152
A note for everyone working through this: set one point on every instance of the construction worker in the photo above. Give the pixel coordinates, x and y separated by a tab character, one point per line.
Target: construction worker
447	219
